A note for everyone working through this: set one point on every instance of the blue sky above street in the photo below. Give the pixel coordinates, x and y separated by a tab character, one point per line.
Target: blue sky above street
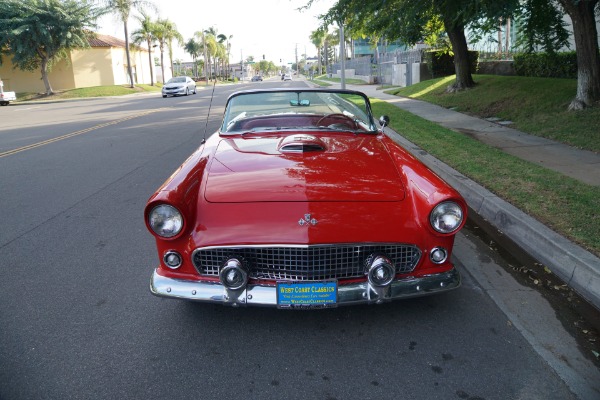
274	28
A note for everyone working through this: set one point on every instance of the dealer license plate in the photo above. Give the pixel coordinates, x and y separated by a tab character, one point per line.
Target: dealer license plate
322	294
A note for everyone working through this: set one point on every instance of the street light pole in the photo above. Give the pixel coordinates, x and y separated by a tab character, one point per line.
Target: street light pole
343	56
206	72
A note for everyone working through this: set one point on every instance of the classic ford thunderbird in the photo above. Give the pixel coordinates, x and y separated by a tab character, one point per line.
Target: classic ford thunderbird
300	200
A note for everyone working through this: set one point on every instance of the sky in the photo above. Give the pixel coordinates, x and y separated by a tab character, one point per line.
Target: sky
273	28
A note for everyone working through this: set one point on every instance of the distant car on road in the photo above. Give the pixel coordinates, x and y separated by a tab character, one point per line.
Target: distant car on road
287	77
257	78
179	85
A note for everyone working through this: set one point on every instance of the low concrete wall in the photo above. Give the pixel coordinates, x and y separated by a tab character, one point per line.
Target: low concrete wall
504	67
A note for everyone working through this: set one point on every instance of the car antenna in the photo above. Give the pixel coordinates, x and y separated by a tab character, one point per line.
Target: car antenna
208	114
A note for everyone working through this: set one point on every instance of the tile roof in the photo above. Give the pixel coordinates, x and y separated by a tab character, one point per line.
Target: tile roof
108	41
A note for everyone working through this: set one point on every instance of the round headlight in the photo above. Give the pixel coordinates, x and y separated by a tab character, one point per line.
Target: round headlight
446	217
165	221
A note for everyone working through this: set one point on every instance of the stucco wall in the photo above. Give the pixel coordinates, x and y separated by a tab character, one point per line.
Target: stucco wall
99	66
92	67
60	76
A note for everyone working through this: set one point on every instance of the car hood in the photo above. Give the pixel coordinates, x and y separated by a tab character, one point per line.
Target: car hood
300	168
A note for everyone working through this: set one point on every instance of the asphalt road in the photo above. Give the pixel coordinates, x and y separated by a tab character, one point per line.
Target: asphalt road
77	320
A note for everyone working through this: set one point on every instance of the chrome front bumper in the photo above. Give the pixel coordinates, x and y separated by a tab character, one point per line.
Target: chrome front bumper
255	295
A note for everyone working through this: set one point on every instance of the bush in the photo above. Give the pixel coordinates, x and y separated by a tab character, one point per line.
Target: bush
546	65
442	63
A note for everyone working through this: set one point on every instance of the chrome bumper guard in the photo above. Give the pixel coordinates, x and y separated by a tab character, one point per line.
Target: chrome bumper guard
256	295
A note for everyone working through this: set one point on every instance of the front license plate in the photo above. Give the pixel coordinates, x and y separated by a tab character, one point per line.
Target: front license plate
307	294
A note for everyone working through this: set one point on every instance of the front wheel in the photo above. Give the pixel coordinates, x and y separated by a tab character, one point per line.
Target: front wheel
3	103
187	91
164	95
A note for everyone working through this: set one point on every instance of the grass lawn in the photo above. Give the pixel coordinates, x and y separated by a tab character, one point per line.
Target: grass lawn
535	105
323	80
564	204
96	91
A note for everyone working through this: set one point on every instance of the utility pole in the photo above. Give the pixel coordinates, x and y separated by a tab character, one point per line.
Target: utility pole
242	64
343	56
297	72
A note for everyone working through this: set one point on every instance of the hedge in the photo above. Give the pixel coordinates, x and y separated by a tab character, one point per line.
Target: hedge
546	65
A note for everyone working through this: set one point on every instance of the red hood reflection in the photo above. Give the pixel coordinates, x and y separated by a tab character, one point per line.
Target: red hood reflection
341	168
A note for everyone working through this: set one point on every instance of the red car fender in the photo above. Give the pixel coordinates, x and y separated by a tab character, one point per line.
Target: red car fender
424	188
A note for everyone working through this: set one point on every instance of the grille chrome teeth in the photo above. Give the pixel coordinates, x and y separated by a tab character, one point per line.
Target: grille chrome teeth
306	263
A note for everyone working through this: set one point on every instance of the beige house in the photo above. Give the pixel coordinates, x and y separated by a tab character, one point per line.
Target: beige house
104	64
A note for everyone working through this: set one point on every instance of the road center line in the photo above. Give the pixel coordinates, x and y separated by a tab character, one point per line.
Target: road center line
73	134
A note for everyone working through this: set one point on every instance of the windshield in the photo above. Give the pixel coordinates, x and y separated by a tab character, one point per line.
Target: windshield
177	80
308	109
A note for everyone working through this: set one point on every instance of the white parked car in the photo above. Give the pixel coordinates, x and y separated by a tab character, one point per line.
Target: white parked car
179	85
6	97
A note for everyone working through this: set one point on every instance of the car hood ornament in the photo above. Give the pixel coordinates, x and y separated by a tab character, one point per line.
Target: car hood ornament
307	220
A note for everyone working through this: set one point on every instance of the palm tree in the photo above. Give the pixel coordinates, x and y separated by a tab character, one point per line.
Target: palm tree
221	51
123	9
159	34
145	33
170	33
209	45
228	46
192	47
318	39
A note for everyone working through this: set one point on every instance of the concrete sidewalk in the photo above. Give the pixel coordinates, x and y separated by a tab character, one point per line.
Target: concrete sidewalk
579	164
576	266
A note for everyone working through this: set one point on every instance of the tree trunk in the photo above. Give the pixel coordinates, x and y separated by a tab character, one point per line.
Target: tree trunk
150	63
44	68
319	61
462	66
162	62
170	47
129	71
588	57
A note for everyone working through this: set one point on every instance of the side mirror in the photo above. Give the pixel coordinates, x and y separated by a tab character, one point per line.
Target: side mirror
384	121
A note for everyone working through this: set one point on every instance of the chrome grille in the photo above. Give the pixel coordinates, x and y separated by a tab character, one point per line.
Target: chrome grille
300	263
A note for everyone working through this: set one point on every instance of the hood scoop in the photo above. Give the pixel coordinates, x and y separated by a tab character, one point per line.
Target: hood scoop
301	144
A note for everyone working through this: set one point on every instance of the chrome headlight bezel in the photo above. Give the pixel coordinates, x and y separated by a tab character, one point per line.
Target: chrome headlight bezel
165	221
446	217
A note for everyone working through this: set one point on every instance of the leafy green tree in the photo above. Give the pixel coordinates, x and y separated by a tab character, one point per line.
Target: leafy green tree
122	8
412	21
263	66
541	25
145	33
585	32
38	33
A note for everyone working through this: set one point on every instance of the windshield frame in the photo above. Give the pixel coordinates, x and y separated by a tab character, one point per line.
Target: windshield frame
330	98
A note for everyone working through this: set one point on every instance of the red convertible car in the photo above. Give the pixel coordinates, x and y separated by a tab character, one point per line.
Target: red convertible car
299	200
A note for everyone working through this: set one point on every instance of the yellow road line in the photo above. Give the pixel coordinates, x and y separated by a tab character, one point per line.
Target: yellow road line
70	135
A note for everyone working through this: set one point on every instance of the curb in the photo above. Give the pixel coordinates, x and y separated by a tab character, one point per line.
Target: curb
577	267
